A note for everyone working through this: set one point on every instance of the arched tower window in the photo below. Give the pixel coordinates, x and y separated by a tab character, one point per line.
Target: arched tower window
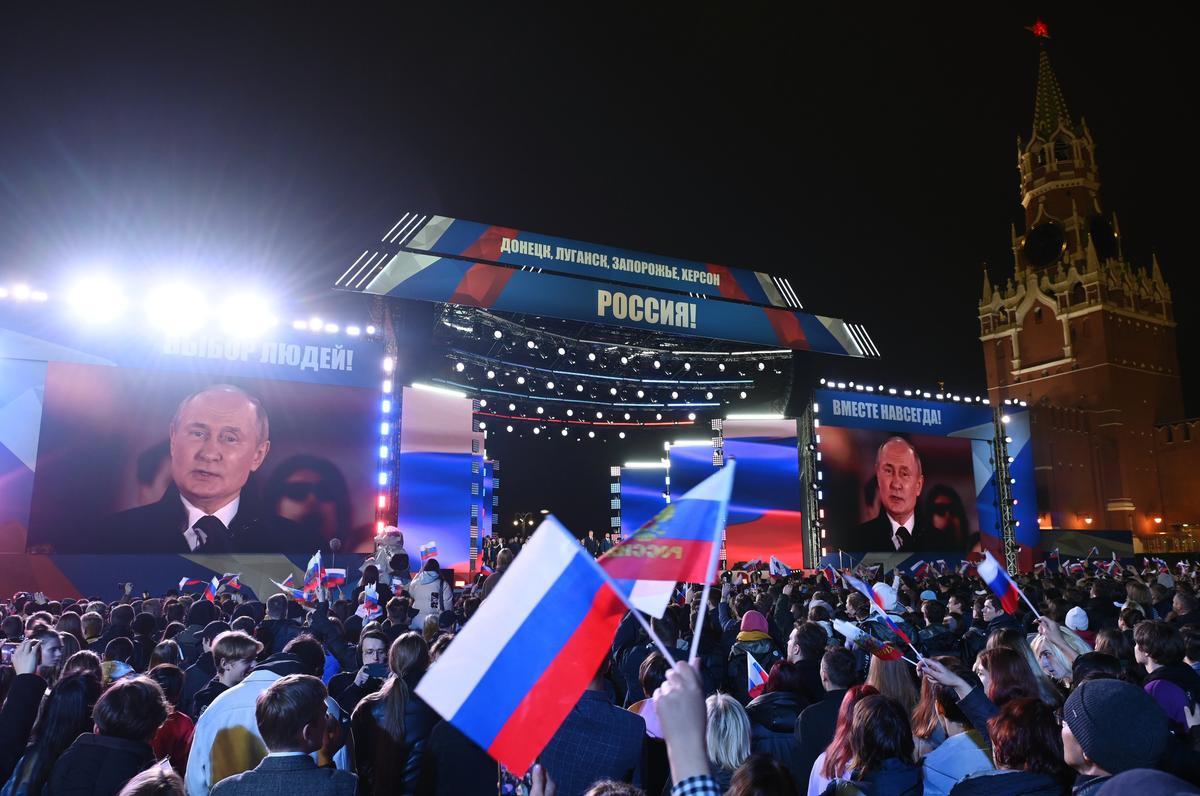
1062	150
1078	294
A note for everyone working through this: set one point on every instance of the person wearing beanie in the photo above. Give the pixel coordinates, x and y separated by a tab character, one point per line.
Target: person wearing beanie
1077	620
753	639
1110	726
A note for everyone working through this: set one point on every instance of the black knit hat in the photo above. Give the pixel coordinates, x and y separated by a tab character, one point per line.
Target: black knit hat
1118	725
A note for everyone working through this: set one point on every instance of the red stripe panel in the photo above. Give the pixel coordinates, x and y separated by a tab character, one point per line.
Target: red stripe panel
684	560
487	246
481	285
539	715
729	286
787	328
778	532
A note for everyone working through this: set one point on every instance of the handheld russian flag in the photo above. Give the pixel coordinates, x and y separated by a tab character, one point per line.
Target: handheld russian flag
185	582
679	545
941	565
1094	552
920	570
866	642
830	574
485	569
210	589
518	667
288	583
230	580
287	588
334	577
428	551
779	568
370	604
312	573
999	582
756	677
865	590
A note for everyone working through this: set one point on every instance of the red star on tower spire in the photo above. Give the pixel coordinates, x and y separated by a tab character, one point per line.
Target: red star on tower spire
1039	29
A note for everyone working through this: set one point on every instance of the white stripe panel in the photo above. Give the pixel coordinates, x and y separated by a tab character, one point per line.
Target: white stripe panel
458	671
428	236
351	268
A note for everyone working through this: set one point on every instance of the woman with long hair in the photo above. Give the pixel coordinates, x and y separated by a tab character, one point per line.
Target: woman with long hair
928	730
64	715
1013	639
1028	752
1004	675
894	679
727	736
834	762
881	743
392	726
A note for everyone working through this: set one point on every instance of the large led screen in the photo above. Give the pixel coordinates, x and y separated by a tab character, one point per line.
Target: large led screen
876	483
127	458
915	476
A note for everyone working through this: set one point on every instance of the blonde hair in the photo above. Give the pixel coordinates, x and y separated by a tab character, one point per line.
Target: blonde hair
728	732
892	679
429	628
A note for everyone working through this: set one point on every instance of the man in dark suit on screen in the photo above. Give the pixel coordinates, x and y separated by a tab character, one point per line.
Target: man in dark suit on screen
218	437
900	479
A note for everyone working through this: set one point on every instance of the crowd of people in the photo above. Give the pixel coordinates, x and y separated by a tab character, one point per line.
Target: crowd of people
177	694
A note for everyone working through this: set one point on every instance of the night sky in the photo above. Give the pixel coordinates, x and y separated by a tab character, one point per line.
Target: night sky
869	158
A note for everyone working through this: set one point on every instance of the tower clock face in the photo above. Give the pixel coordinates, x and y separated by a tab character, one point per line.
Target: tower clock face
1044	244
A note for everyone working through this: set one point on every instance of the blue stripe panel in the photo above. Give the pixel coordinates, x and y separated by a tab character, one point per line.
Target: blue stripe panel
529	652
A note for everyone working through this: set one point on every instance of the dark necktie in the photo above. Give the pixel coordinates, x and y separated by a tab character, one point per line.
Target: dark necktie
901	533
217	535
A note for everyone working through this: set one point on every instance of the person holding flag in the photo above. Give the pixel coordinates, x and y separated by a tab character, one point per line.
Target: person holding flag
756	678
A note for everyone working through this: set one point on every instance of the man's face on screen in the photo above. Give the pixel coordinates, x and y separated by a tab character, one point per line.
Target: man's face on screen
215	447
899	475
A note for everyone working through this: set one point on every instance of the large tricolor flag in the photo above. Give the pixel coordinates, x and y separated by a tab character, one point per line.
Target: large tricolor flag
679	545
756	677
518	667
999	582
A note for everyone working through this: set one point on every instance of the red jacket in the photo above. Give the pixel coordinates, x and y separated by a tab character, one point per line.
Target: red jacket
174	740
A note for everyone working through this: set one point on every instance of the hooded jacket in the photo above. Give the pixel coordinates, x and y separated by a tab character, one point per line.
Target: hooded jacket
431	595
772	728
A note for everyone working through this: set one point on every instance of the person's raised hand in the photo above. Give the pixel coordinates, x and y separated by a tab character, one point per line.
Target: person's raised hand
362	676
25	657
938	673
679	705
540	782
1049	628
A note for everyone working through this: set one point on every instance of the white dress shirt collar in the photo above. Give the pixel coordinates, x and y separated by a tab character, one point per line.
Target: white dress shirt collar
225	514
908	524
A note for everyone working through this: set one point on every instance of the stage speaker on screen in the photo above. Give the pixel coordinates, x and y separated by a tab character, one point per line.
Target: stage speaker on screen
218	437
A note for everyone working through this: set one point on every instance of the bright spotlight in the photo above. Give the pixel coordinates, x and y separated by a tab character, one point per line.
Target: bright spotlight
97	299
497	334
621	435
612	390
591	435
578	388
537	430
246	316
691	415
178	309
641	393
491	374
460	367
591	357
657	364
549	385
520	379
721	366
562	352
531	344
565	432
